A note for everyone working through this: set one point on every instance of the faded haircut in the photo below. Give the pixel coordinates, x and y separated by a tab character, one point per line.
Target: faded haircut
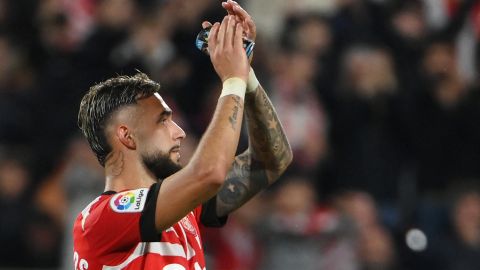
105	98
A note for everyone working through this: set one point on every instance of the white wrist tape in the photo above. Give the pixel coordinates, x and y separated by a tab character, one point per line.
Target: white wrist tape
234	86
252	82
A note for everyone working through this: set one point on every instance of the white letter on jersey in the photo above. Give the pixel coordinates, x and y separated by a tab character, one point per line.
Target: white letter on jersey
83	263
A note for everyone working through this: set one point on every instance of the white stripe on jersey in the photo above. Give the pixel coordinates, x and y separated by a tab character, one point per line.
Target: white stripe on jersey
86	212
190	250
161	248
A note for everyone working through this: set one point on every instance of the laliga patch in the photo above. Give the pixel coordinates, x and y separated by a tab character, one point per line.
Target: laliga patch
131	201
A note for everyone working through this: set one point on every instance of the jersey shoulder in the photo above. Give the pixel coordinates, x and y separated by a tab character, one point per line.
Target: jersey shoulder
110	226
110	204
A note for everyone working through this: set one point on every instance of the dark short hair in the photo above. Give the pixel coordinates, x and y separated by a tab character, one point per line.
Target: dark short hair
105	98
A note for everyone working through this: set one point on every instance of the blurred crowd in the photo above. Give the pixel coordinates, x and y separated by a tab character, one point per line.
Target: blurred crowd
380	100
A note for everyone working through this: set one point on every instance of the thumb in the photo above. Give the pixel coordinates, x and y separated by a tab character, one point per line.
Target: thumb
206	24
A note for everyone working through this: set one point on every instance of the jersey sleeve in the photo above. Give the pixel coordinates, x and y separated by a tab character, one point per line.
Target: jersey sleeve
121	221
148	231
208	214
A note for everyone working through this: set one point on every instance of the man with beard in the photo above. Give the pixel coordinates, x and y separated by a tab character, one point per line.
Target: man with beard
149	214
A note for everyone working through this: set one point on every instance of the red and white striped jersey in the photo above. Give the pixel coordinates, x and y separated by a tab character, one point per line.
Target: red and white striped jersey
117	231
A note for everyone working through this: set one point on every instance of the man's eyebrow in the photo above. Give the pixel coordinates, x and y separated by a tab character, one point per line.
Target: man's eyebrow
164	114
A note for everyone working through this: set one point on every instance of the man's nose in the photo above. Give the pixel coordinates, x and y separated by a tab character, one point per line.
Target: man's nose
178	133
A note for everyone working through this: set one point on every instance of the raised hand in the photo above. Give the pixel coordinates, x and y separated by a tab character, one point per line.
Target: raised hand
249	28
225	45
241	16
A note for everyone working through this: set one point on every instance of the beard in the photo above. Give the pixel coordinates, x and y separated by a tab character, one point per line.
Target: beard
160	164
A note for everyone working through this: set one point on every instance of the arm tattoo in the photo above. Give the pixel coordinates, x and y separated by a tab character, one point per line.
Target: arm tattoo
268	142
233	117
245	179
267	157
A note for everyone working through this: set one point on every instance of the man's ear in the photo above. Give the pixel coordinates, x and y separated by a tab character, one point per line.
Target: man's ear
126	137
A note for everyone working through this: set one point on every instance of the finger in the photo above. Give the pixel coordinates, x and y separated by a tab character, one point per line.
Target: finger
213	38
228	7
239	11
238	38
251	25
230	32
251	29
206	24
221	32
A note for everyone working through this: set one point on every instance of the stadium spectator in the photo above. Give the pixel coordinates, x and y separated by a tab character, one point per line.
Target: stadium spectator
300	233
374	245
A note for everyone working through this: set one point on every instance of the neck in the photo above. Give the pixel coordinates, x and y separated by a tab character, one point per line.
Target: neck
123	172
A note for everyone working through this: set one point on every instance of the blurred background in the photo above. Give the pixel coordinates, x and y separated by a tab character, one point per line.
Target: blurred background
380	100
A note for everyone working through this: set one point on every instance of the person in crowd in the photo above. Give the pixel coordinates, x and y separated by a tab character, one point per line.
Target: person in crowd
299	232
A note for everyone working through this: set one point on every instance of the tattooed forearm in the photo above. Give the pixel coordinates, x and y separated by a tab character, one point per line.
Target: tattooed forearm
265	160
267	139
234	116
245	179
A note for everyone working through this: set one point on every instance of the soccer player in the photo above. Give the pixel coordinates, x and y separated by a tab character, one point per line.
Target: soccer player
148	216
